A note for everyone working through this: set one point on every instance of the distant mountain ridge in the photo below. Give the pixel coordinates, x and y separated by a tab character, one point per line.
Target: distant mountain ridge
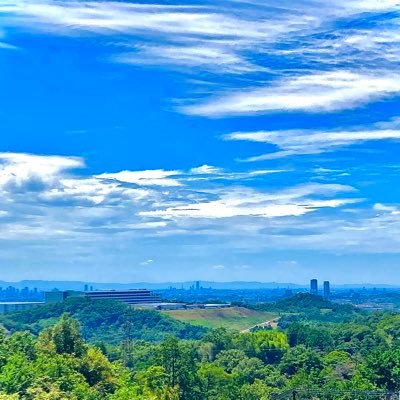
235	285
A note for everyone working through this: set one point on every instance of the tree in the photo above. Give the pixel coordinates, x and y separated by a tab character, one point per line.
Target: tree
383	369
98	371
67	336
51	392
250	369
16	375
229	359
4	396
179	360
300	357
216	383
63	338
22	342
220	338
267	345
255	391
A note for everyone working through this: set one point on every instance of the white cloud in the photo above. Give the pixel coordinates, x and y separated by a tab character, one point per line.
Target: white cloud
209	173
369	5
347	64
92	189
147	262
394	210
205	170
316	92
307	141
243	202
155	177
74	210
207	56
18	168
5	45
189	36
288	262
64	201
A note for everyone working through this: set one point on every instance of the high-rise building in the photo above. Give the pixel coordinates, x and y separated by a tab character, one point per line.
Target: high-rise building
86	288
327	290
197	285
314	287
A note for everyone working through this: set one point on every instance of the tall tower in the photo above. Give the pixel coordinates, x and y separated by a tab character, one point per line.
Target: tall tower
314	287
197	285
327	290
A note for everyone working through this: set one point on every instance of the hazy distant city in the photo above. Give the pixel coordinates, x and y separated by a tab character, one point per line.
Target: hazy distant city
371	297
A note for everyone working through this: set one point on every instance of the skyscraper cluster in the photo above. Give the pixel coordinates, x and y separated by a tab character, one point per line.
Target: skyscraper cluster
314	288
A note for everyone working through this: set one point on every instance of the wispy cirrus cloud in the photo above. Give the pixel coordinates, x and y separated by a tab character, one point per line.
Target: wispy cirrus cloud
315	92
186	35
213	56
223	39
316	141
155	177
4	44
7	46
304	56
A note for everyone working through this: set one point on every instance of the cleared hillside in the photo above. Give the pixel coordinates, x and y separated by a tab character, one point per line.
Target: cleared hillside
237	318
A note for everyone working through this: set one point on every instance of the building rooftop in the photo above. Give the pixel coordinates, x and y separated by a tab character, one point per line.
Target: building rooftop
116	290
20	302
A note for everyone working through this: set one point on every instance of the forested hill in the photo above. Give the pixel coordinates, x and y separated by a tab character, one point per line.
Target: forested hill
306	301
103	321
305	306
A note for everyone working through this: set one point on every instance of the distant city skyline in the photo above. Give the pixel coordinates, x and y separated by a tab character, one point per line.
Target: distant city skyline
203	140
32	287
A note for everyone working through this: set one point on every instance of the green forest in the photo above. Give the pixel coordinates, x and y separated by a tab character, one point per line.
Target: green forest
94	350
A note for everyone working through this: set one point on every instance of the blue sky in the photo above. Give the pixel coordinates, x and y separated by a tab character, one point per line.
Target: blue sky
218	140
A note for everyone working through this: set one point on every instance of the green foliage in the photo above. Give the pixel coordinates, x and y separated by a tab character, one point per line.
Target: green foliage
59	364
102	321
66	337
216	384
179	360
16	375
307	307
300	358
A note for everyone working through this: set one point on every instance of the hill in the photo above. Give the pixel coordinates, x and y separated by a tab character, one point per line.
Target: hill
235	318
103	321
307	307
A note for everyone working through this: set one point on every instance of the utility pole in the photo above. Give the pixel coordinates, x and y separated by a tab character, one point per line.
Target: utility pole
127	340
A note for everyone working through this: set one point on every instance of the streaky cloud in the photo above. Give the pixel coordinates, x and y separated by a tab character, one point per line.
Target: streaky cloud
308	141
314	92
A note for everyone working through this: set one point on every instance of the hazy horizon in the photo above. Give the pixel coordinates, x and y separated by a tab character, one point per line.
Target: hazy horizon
205	283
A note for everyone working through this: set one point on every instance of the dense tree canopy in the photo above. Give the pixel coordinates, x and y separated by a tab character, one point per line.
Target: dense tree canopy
103	321
58	364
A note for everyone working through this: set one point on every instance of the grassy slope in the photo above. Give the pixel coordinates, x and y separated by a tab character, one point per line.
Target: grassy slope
237	318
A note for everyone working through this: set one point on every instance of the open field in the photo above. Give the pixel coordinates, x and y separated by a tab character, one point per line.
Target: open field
236	318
